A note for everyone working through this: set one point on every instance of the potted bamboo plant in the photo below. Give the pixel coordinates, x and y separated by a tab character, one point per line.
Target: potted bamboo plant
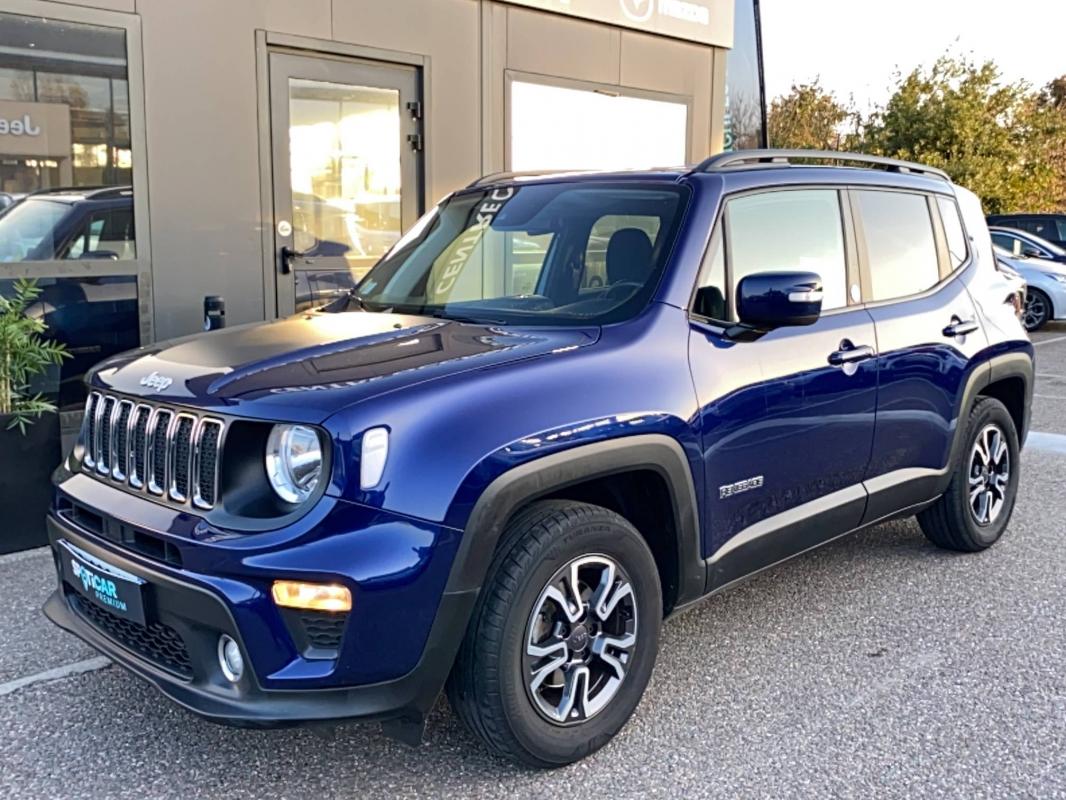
29	424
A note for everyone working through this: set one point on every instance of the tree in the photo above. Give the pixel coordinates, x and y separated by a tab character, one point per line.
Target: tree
999	140
808	117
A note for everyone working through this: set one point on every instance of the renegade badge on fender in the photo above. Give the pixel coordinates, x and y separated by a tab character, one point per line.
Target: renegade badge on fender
560	409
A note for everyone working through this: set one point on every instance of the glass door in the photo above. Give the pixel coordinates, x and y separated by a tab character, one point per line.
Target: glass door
346	140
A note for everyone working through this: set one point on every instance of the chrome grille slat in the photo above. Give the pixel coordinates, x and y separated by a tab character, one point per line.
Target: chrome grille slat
171	453
104	414
205	462
89	428
179	456
158	433
120	433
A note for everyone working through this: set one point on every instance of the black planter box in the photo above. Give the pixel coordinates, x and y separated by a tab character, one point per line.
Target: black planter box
26	465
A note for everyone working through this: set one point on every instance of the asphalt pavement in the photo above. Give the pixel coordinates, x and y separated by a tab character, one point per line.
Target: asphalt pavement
877	666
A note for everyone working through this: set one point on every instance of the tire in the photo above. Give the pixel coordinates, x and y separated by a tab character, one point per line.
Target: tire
1037	310
490	687
958	522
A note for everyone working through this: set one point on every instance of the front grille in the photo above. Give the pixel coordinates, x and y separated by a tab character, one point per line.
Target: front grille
170	453
154	642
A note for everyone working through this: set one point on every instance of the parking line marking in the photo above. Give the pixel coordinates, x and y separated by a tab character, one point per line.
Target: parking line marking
1050	341
1050	442
23	555
58	673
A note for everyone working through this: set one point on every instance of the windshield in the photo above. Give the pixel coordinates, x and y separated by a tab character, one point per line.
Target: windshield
542	254
27	230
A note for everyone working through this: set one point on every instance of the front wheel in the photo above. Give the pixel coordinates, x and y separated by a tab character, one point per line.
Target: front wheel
564	637
1037	310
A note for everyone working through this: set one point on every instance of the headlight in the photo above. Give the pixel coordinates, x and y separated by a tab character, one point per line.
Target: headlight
293	462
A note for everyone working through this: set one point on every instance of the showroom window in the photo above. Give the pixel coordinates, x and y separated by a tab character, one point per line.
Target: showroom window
67	175
558	127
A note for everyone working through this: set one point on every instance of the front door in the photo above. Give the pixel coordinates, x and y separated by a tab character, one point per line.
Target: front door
788	419
346	140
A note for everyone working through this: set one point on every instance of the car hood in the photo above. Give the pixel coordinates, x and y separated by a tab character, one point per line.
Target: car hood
306	368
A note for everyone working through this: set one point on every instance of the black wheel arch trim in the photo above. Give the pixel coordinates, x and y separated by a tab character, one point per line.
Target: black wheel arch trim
538	478
997	368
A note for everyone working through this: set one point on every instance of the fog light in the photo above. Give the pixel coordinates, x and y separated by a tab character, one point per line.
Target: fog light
230	658
312	596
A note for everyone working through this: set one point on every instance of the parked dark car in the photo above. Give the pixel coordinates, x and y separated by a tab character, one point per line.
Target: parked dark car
445	482
70	223
94	316
1047	226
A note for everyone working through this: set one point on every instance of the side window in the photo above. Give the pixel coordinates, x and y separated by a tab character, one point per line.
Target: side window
1009	243
709	301
104	235
789	230
525	258
956	236
900	247
595	274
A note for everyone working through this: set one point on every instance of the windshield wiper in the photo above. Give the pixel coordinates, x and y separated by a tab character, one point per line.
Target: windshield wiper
442	314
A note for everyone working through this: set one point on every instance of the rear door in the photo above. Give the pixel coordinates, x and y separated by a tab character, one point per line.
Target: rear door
786	433
912	252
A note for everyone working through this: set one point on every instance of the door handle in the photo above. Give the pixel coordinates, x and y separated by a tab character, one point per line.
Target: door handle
287	255
850	354
960	327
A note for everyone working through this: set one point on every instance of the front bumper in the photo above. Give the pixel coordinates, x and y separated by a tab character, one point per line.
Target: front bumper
186	613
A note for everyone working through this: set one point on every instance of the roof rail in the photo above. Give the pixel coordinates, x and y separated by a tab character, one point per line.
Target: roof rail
741	158
87	191
495	177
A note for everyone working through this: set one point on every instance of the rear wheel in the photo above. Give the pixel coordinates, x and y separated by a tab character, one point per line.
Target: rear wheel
974	511
564	637
1037	310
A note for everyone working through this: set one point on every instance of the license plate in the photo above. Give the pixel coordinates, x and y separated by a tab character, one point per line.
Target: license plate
103	584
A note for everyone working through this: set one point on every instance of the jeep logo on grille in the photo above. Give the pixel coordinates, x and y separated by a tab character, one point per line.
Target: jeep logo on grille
156	381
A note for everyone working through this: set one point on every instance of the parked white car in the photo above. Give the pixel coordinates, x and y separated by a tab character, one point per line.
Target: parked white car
1045	298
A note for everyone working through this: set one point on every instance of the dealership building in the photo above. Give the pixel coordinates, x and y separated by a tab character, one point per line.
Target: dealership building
269	151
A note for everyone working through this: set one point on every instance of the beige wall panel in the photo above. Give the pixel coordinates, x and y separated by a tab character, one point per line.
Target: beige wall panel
108	5
550	44
658	64
203	171
298	17
446	31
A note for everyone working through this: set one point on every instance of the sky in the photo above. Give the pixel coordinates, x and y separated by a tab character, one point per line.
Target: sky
855	46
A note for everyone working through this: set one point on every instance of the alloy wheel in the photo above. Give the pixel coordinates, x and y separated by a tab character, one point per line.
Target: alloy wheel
989	475
580	640
1035	312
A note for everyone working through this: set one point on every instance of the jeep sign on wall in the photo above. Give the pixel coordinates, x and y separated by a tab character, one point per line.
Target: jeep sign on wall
34	129
704	21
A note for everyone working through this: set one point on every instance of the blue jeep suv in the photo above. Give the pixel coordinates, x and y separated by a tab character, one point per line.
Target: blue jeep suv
560	409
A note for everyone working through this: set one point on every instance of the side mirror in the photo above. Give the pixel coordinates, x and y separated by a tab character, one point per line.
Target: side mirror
99	255
1030	252
768	300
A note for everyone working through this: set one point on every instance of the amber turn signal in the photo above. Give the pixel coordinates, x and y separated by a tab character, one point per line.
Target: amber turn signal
312	596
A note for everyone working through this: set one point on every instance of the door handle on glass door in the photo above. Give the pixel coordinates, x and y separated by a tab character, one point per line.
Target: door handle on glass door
850	354
287	255
960	327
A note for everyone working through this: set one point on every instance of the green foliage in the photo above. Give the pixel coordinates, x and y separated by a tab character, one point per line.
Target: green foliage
808	118
997	139
1001	140
23	354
